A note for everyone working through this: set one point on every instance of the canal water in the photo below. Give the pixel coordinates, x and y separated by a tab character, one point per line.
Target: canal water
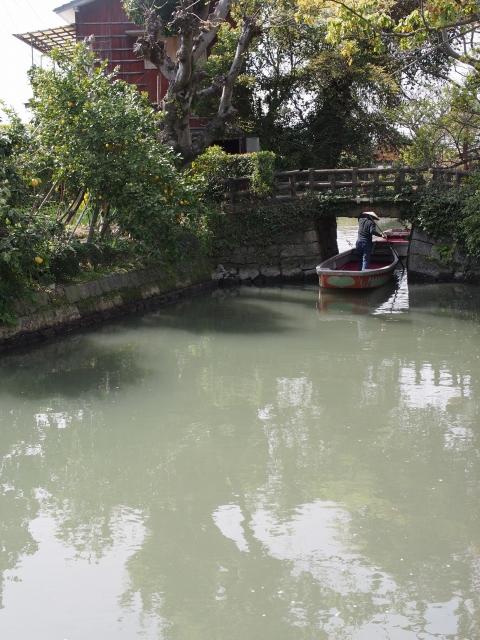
255	464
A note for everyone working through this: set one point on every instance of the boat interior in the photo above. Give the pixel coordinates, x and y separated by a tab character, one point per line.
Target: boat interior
382	256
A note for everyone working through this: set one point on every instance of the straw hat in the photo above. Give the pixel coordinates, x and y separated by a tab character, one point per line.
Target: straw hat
372	214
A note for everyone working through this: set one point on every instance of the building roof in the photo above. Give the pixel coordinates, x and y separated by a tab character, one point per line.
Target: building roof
72	5
47	39
67	11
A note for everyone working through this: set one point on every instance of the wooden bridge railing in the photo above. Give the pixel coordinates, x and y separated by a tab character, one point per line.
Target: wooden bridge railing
355	183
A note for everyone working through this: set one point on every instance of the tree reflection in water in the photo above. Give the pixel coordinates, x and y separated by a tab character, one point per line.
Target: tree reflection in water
319	480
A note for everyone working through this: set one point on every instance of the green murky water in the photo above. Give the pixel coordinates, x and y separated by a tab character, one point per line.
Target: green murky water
258	464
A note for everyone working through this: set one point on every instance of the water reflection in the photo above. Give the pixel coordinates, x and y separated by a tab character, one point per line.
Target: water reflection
180	481
80	365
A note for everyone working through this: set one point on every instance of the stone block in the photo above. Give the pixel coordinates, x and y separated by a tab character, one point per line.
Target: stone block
272	251
129	281
260	280
293	273
219	273
426	267
291	263
310	236
7	330
116	281
240	254
310	263
150	290
293	238
248	274
41	299
93	289
72	292
291	250
103	285
421	248
270	271
312	248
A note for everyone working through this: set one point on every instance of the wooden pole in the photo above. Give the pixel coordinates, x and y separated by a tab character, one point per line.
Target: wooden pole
293	185
354	182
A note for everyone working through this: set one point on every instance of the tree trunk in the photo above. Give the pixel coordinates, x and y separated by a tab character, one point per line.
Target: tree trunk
176	130
196	33
93	223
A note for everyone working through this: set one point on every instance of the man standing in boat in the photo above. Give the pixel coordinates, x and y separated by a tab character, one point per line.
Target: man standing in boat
366	230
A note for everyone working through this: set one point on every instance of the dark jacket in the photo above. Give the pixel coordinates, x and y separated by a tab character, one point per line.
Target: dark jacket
366	229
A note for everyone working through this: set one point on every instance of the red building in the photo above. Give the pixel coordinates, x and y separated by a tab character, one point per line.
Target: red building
113	38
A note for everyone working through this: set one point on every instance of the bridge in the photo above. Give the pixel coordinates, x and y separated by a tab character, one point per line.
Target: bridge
386	188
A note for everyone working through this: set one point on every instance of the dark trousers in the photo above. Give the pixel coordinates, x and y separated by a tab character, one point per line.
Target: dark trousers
364	248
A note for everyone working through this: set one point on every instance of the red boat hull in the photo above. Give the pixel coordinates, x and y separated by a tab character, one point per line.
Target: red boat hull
398	238
341	271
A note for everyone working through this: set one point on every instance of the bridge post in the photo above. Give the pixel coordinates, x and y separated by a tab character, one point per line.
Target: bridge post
332	181
293	185
311	180
400	180
420	178
231	190
354	182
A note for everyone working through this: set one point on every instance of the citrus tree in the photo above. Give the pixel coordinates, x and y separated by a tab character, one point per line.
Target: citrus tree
95	148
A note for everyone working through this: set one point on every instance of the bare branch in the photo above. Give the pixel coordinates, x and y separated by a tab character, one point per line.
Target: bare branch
210	28
450	51
225	108
151	46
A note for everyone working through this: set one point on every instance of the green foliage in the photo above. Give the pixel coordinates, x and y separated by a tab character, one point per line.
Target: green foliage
136	9
309	103
100	135
258	225
451	215
215	166
25	248
96	137
437	211
471	217
443	127
95	132
13	140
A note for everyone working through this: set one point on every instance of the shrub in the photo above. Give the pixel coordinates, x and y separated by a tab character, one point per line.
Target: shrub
25	249
470	225
215	166
438	209
451	214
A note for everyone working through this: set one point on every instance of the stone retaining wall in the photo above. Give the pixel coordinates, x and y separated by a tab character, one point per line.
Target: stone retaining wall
436	260
293	258
63	308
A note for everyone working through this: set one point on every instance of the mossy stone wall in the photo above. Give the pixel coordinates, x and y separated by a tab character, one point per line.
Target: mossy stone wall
64	308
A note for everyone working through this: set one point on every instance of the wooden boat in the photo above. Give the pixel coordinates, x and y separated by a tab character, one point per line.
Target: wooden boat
342	271
398	238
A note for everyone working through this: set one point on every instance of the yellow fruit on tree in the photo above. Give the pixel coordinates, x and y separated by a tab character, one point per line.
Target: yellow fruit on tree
38	260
